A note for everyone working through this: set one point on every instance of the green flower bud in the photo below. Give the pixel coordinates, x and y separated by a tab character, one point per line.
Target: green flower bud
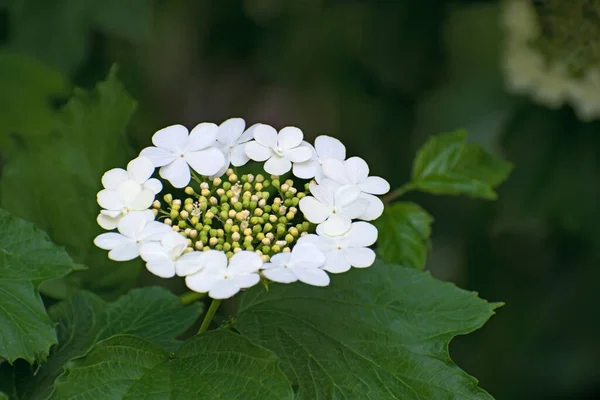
247	232
295	201
226	246
232	178
226	186
219	247
294	232
224	199
156	204
276	184
204	237
275	248
258	187
168	198
289	238
223	215
198	226
229	254
217	182
266	249
238	206
275	208
258	212
212	233
189	191
174	214
280	229
168	221
235	245
282	220
188	207
235	228
289	194
206	229
207	221
182	224
287	202
266	184
176	228
260	178
267	208
246	186
249	247
290	216
268	227
253	205
246	204
260	236
256	229
305	226
300	195
184	214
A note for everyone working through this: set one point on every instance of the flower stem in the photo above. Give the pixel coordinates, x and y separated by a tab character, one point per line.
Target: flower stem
214	306
407	187
191	297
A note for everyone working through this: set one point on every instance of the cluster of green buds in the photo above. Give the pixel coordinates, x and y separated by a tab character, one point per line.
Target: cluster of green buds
232	214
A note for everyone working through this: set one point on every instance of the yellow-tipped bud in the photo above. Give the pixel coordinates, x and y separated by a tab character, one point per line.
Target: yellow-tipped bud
265	258
184	214
294	232
235	236
168	198
155	211
176	228
289	238
285	187
156	204
174	214
286	250
237	250
198	245
176	203
217	182
266	241
189	190
275	249
168	221
213	241
232	178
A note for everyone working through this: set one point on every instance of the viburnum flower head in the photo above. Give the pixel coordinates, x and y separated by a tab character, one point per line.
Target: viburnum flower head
134	230
176	150
233	228
221	278
279	150
350	249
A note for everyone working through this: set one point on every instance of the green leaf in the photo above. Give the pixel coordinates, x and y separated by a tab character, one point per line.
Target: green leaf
215	365
26	257
404	231
67	169
27	88
3	396
153	313
378	333
447	164
70	23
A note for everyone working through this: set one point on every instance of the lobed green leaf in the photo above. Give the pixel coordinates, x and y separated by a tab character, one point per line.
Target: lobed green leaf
379	333
215	365
404	232
447	164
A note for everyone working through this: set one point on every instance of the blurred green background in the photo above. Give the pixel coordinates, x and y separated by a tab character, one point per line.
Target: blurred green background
380	75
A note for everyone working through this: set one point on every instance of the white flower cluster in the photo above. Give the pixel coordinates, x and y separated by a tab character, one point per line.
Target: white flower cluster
548	83
342	191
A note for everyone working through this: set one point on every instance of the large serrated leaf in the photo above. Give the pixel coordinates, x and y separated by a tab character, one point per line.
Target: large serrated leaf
379	333
447	164
404	231
215	365
54	183
27	257
154	314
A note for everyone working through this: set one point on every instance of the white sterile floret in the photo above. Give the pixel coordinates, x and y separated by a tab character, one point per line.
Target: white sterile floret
231	140
278	150
128	196
347	250
325	147
333	205
355	171
177	150
134	230
167	258
138	170
302	264
222	281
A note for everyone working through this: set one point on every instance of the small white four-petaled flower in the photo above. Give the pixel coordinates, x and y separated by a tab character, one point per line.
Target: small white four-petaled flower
167	258
128	196
232	140
302	264
325	147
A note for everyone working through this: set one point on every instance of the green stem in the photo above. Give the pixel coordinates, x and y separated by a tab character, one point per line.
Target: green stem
407	187
214	306
191	297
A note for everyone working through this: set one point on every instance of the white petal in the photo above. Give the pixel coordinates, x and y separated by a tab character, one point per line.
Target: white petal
223	289
277	165
206	162
147	213
360	257
238	155
336	225
361	234
140	169
244	262
315	277
307	255
281	275
374	208
345	195
246	281
112	213
330	147
124	253
154	231
107	222
112	178
110	240
190	263
153	185
324	192
154	252
231	130
132	225
298	154
128	191
178	173
307	170
172	240
278	260
172	138
357	169
356	208
248	134
202	281
163	269
289	137
335	169
109	199
215	261
313	239
143	200
257	152
374	185
158	156
313	210
335	262
202	136
265	135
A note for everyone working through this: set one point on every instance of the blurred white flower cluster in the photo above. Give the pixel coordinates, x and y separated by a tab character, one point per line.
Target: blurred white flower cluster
232	231
549	82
